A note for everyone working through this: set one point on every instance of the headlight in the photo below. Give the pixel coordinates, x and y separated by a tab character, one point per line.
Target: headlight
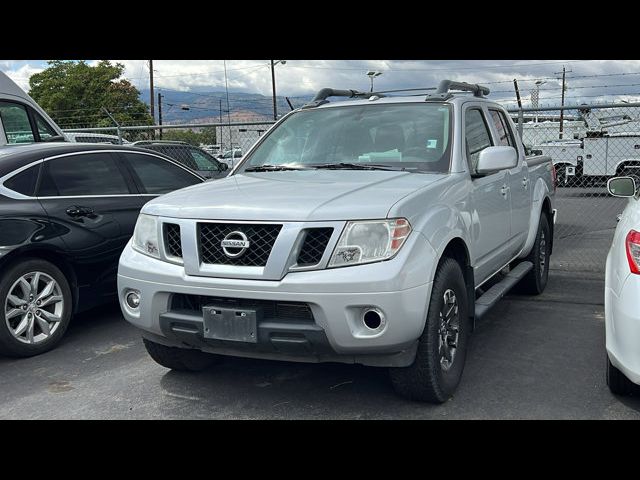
370	241
145	236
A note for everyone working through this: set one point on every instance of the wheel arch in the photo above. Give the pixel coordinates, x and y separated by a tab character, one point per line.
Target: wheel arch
458	250
541	203
51	256
628	161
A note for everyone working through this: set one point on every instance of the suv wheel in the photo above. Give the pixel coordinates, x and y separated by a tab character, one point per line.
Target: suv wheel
180	359
35	310
436	371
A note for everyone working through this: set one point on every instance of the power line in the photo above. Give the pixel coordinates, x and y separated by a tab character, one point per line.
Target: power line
480	67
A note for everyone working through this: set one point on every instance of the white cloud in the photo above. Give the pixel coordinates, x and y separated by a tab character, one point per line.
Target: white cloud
304	77
21	75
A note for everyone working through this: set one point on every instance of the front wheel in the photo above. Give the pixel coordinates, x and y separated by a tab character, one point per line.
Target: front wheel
442	348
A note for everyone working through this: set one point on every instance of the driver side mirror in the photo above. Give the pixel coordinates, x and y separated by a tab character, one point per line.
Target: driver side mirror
223	166
622	186
493	159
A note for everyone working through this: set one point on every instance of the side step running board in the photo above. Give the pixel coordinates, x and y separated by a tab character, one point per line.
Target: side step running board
500	289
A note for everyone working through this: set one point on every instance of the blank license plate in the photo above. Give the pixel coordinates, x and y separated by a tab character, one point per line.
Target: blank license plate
232	324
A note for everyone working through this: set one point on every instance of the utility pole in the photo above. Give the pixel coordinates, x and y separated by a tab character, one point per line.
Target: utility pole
273	82
160	112
515	85
151	96
520	115
219	137
564	87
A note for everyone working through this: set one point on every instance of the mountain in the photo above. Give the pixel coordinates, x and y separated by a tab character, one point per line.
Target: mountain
206	106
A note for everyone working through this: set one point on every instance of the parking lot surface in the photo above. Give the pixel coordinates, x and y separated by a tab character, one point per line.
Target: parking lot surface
530	357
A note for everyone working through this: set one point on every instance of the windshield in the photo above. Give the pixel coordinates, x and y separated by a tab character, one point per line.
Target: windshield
412	136
204	161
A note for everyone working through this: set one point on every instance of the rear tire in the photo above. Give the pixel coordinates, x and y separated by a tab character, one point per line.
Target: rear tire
180	359
535	281
618	383
434	375
35	307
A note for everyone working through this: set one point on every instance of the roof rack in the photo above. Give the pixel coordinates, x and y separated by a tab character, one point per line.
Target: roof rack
443	92
322	95
445	86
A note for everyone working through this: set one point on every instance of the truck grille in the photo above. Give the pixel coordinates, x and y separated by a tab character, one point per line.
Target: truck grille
261	238
292	311
172	240
315	243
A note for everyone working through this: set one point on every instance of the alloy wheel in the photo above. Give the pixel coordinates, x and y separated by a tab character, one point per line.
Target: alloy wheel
33	308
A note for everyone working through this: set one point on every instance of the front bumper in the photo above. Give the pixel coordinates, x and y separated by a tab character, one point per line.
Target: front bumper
622	325
400	288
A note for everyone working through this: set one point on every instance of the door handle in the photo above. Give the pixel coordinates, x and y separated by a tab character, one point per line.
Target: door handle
77	211
504	190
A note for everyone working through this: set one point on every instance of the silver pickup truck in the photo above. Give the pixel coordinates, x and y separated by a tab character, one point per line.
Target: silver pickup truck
374	230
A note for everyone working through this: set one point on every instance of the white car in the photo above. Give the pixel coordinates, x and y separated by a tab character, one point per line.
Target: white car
78	137
622	293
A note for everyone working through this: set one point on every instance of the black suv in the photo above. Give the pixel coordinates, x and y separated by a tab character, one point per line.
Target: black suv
193	157
66	212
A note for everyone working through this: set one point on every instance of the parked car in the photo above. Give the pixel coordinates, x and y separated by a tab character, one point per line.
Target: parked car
371	231
193	157
21	118
90	137
622	293
66	212
231	158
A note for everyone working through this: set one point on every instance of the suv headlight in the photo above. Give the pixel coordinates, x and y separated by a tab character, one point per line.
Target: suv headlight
145	236
370	241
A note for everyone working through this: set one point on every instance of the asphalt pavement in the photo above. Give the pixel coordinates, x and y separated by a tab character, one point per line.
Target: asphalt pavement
531	357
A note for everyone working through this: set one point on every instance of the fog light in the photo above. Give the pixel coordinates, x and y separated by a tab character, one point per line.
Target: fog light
133	299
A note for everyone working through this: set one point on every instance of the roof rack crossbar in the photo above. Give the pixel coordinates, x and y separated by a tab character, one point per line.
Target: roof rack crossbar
322	95
445	86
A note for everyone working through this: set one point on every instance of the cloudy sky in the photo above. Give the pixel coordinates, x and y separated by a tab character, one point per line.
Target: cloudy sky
587	80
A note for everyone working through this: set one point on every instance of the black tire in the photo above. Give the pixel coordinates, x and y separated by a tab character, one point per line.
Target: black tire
535	281
180	359
561	176
426	379
9	345
618	383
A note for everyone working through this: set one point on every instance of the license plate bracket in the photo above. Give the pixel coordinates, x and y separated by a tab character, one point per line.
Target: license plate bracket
231	324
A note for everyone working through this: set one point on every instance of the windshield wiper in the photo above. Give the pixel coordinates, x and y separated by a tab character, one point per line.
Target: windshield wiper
355	166
271	168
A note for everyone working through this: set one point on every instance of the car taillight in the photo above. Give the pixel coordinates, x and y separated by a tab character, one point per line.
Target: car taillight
554	177
633	251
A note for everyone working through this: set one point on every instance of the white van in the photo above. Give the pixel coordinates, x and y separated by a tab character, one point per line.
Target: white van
21	118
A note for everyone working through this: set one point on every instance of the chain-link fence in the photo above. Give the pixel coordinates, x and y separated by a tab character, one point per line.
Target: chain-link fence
588	144
228	142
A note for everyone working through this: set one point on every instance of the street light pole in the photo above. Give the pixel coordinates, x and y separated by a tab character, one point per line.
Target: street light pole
373	74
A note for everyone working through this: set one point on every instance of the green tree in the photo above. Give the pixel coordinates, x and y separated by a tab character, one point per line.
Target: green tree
205	135
73	94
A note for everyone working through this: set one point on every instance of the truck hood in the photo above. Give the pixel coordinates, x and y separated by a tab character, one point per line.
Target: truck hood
307	195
